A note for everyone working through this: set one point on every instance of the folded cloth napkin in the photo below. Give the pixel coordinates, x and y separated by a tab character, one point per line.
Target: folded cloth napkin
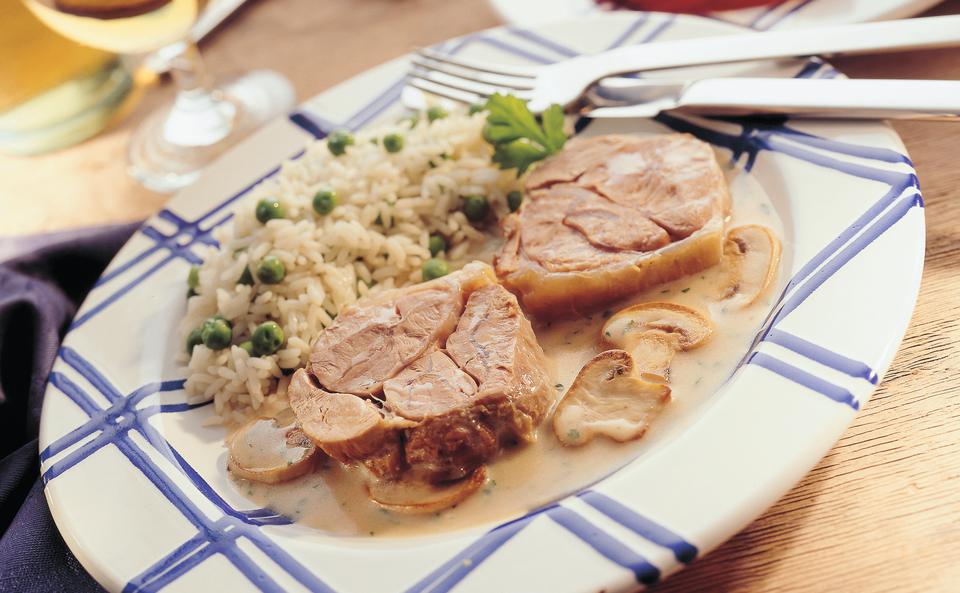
43	278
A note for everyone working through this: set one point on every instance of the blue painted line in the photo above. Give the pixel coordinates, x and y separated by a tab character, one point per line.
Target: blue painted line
83	452
512	49
170	562
629	31
140	393
605	545
683	550
800	6
252	570
543	42
380	104
96	309
766	12
810	68
173	408
754	140
212	531
116	422
88	372
874	153
848	233
884	223
169	243
255	517
777	18
828	358
120	269
110	417
450	573
757	136
801	377
153	269
659	29
247	189
305	122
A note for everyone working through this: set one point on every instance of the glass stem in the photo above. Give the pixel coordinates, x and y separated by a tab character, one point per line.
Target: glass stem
200	115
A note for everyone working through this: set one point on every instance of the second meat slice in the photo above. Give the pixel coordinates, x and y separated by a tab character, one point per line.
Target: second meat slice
425	382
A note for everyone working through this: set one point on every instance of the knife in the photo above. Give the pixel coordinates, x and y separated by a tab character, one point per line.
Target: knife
797	97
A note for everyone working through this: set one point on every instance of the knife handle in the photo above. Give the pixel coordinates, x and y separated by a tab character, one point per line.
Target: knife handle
824	98
927	32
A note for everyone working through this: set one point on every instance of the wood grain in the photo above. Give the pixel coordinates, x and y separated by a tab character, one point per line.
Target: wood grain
880	513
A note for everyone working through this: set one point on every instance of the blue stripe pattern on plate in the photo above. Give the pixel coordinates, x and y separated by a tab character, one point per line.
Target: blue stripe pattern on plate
111	425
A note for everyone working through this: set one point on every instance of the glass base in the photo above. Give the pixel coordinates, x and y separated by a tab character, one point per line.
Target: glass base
172	147
66	114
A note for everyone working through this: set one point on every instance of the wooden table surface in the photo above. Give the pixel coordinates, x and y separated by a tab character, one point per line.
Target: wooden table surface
881	512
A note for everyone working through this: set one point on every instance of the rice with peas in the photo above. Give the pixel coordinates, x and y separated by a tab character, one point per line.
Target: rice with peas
376	238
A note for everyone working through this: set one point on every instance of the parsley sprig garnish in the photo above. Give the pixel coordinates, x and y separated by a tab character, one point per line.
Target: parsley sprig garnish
518	139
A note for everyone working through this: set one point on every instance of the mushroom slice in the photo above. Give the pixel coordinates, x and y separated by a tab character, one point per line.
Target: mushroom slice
751	256
264	451
654	332
415	497
608	398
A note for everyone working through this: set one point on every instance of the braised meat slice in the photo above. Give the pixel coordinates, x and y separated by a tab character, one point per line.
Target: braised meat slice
348	428
611	215
449	439
426	381
495	344
371	343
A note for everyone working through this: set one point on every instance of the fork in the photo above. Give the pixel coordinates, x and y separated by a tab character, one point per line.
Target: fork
567	82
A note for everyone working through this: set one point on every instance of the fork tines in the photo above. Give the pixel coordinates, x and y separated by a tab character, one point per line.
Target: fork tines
465	81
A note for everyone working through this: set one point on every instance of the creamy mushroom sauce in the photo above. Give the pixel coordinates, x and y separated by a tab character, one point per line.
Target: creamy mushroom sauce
334	501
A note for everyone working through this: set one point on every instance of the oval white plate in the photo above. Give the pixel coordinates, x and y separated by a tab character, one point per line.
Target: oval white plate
138	487
785	15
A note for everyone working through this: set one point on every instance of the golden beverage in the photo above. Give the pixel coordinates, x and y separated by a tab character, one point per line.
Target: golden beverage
121	26
53	91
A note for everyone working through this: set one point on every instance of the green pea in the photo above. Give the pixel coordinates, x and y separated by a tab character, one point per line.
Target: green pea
393	142
216	334
268	209
475	208
324	201
437	244
514	199
267	338
436	112
338	142
476	108
193	278
434	268
247	347
193	339
246	277
271	270
218	317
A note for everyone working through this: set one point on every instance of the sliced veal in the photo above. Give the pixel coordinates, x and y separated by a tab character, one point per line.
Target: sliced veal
611	215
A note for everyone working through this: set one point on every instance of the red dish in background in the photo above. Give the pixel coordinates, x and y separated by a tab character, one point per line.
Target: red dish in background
692	5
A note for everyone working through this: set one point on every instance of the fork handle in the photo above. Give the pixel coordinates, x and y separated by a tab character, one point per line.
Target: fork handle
824	98
927	32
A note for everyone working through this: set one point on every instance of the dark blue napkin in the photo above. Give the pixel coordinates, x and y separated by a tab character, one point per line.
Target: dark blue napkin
43	278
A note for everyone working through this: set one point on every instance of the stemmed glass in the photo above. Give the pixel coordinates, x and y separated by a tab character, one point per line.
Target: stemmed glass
173	145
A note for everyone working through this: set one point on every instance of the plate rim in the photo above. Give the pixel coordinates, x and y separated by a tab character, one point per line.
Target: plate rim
905	8
91	564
